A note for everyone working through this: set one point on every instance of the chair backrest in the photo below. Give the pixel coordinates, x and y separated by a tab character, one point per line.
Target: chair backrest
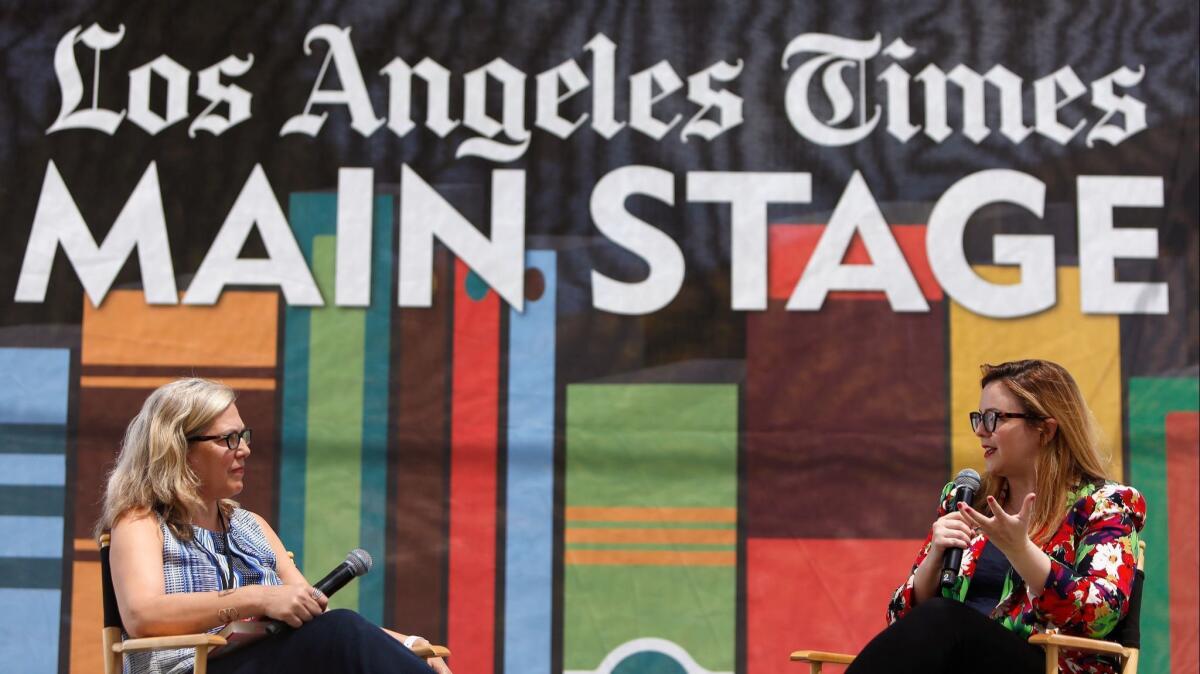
1128	632
112	614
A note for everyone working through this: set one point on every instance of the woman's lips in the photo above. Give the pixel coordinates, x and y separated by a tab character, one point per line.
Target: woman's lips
988	451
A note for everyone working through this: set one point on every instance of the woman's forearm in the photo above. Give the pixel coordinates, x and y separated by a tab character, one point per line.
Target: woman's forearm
188	612
1032	565
925	578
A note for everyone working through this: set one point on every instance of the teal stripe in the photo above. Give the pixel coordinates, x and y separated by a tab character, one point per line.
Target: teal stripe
31	573
1150	400
307	214
376	364
33	439
332	350
36	501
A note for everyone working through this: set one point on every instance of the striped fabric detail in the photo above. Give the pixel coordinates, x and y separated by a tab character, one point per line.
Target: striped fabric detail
34	399
654	536
198	566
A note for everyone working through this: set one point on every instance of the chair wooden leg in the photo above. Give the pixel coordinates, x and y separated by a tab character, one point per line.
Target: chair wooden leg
814	668
201	666
1051	659
112	661
1131	662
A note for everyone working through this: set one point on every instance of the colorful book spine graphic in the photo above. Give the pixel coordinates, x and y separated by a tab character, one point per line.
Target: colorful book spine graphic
34	390
1162	412
474	465
838	384
529	482
418	464
650	559
333	472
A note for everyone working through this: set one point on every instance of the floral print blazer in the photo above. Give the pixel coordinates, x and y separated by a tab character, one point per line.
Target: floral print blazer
1093	557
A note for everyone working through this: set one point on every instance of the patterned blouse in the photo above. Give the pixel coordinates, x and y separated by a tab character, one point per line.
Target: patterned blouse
1092	562
203	565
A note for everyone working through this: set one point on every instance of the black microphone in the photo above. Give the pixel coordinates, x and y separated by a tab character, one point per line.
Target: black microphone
357	563
967	482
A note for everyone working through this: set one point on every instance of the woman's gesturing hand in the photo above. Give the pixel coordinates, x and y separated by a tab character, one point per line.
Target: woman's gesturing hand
950	531
293	604
1009	533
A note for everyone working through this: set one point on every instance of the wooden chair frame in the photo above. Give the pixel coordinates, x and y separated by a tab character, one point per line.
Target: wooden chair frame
115	648
1052	642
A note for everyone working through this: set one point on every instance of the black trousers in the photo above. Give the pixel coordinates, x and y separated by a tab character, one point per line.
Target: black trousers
336	641
941	636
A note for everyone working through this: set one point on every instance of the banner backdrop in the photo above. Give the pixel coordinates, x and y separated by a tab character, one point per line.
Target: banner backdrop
627	337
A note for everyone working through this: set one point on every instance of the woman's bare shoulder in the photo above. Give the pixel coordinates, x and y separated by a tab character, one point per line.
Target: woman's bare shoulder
135	521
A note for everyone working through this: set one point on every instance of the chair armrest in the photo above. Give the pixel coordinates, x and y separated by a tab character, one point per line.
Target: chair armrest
431	651
175	641
1078	643
822	656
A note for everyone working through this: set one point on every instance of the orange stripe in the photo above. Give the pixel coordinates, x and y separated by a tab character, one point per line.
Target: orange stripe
87	619
650	558
86	545
704	536
238	331
242	383
630	514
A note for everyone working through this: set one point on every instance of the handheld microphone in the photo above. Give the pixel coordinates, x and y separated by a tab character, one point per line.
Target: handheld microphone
357	563
967	482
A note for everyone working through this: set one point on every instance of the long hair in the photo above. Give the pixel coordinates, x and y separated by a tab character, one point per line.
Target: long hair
1071	456
152	471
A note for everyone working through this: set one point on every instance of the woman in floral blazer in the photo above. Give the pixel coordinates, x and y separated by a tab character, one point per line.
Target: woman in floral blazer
1049	543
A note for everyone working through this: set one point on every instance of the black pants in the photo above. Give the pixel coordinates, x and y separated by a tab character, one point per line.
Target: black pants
336	641
942	636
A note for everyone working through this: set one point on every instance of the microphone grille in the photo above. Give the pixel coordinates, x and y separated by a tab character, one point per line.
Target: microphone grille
968	478
360	561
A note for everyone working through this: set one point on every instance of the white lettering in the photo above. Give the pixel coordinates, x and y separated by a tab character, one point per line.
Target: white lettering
1034	254
141	225
639	237
1100	244
284	265
424	214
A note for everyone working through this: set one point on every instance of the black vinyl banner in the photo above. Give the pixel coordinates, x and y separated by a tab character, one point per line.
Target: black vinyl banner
628	337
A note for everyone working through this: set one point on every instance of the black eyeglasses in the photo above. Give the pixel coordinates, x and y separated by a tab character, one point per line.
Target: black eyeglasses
232	440
990	418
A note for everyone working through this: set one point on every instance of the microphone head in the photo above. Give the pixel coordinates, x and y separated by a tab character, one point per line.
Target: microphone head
359	561
968	478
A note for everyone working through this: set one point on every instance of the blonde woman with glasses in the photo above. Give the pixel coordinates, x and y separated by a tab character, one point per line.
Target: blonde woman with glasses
186	558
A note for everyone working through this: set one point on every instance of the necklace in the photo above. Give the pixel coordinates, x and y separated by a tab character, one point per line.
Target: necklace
226	576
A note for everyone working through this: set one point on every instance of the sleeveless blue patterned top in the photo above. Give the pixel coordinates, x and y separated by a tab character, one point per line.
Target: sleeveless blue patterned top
201	566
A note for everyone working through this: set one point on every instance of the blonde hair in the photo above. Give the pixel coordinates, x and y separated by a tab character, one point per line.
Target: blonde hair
1068	458
152	471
